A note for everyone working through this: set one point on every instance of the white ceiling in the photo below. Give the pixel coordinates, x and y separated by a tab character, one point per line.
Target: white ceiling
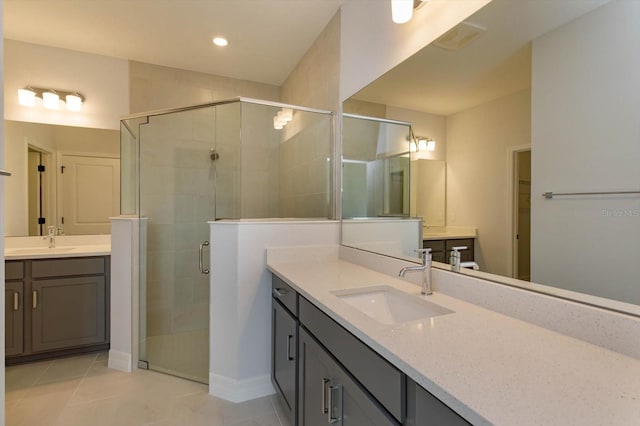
267	38
496	64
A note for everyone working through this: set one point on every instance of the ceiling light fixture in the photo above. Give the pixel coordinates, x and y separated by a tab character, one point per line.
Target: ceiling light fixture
220	41
50	98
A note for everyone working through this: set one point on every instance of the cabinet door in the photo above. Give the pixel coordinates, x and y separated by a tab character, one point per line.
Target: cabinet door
284	355
424	409
356	407
315	373
68	312
328	395
13	318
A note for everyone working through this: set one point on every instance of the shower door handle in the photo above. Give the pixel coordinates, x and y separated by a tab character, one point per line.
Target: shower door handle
201	259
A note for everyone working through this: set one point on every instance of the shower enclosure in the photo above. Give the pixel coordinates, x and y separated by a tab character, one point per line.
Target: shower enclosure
237	159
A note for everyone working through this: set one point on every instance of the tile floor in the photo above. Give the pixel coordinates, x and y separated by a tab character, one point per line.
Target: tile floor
81	391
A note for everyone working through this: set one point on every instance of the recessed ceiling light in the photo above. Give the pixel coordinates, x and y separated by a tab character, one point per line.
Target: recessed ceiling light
220	41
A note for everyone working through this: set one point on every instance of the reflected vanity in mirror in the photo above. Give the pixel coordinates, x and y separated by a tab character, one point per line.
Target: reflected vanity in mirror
65	177
525	98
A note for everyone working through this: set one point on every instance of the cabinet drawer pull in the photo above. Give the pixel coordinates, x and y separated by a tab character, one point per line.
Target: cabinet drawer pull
330	416
34	297
289	357
280	292
324	395
16	301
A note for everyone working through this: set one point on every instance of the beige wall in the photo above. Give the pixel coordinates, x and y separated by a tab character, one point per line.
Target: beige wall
156	87
104	81
314	82
586	98
477	172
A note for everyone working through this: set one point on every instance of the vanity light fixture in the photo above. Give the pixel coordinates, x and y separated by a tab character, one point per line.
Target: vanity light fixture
402	10
426	144
220	41
27	97
51	99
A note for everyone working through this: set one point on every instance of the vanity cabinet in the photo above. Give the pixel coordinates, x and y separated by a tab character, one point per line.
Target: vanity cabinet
328	395
332	377
63	308
14	308
441	249
284	347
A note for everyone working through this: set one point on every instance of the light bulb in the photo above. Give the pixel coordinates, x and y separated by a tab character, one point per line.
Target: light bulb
51	100
26	97
422	144
220	41
401	11
287	114
277	124
74	102
431	145
412	146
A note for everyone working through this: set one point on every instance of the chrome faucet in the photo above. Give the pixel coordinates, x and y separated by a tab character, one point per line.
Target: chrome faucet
51	235
454	258
425	268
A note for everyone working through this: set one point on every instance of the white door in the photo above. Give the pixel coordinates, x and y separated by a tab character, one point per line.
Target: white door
90	193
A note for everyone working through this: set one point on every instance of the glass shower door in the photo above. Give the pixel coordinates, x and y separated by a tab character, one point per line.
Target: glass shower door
177	198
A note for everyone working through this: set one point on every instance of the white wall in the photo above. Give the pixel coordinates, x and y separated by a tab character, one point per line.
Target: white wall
585	109
104	81
371	44
240	321
478	140
396	238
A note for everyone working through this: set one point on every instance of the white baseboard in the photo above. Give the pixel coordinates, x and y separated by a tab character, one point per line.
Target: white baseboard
120	361
240	390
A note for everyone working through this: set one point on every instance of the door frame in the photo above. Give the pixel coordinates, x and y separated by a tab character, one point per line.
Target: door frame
512	223
48	181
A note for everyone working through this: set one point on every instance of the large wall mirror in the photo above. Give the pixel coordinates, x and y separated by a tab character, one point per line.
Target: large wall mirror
66	177
526	98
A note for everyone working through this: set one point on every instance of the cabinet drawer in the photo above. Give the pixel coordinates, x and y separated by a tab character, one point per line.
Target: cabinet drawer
13	270
434	245
67	267
376	374
285	294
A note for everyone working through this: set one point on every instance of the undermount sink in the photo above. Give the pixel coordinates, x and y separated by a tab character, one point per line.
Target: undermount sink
390	306
38	250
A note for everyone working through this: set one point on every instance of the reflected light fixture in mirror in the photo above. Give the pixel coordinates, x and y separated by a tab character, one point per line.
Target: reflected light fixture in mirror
402	10
51	100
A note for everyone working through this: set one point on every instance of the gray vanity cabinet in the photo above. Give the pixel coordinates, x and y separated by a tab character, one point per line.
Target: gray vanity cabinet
423	409
284	356
328	395
67	312
56	307
14	308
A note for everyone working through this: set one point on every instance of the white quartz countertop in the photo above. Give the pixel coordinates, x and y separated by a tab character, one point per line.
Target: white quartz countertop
488	367
56	252
16	248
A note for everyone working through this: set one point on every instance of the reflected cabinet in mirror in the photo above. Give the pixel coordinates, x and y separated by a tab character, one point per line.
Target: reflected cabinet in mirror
526	98
65	177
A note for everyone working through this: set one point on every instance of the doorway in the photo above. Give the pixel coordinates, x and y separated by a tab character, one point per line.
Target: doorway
40	192
522	215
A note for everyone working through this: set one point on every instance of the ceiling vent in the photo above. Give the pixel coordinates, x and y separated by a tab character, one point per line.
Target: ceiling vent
459	36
